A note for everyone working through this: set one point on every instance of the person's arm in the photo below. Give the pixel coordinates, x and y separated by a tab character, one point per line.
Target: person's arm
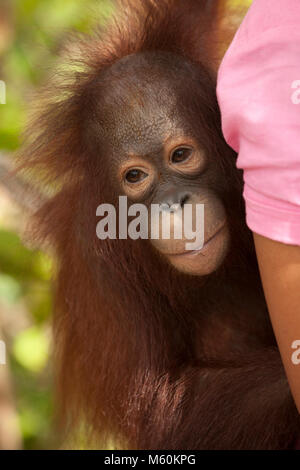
259	96
279	266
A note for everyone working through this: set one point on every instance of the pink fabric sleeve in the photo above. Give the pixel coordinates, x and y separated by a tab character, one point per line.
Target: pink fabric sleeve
259	96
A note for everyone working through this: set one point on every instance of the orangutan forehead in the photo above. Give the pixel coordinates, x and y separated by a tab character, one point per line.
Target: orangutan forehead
148	66
147	81
142	100
141	129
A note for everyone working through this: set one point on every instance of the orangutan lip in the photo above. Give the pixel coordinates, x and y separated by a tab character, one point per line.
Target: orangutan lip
195	252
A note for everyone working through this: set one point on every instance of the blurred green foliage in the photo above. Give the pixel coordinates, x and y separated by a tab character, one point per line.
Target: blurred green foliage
38	29
25	291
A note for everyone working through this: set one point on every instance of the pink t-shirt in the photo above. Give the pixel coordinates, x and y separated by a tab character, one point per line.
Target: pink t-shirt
259	96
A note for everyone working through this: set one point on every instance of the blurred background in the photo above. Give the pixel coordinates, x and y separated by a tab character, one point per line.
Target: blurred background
32	34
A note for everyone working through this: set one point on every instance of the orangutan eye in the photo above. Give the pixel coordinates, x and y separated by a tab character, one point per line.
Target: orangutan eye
181	155
135	176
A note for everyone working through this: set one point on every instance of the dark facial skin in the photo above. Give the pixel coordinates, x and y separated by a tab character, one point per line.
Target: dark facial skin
158	150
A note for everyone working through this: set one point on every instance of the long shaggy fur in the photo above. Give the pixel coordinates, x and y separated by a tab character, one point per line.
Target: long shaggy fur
151	359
